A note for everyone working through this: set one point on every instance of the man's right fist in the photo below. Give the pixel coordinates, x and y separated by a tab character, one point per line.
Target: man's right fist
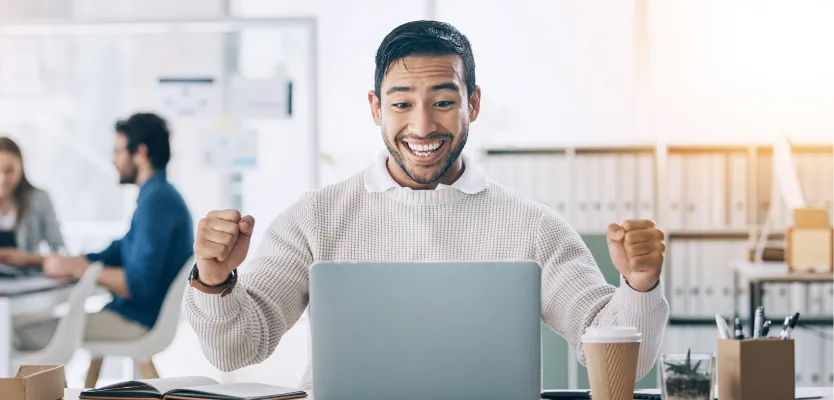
221	244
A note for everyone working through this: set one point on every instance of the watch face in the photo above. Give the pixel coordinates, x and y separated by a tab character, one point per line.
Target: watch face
193	274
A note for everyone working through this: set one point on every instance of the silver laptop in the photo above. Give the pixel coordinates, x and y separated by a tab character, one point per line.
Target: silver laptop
426	330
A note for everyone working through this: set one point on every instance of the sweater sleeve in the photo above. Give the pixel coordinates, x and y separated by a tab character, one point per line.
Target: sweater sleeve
575	294
51	227
111	256
244	327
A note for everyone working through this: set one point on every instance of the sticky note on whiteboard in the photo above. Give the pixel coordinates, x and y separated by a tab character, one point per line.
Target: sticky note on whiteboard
188	97
261	98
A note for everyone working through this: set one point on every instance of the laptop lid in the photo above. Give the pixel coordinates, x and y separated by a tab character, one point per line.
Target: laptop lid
8	238
383	330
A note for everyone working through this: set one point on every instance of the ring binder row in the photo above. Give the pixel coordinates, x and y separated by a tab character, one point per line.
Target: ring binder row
708	199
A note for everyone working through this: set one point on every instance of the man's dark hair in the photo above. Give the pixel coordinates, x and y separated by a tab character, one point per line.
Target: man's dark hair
424	38
150	130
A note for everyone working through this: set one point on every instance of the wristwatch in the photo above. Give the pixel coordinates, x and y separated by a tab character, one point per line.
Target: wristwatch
222	289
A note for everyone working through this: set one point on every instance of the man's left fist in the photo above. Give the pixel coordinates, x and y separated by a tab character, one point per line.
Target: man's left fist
637	249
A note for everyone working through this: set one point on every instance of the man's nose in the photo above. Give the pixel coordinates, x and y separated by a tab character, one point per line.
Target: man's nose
423	122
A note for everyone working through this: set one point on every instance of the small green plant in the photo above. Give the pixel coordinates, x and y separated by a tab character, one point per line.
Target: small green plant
686	380
685	369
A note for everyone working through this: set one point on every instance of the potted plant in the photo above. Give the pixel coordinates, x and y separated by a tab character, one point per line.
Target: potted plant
688	377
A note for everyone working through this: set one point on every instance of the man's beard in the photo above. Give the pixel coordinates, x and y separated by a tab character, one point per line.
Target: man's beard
453	156
129	177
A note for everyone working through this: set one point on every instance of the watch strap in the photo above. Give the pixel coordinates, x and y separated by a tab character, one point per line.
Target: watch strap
222	289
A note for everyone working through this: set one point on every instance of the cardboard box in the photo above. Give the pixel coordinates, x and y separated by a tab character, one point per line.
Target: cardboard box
810	241
35	382
756	369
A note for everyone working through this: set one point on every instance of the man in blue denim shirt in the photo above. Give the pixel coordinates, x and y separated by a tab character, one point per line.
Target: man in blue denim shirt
139	267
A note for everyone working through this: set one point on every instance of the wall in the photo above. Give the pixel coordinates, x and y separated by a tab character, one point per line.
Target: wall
742	70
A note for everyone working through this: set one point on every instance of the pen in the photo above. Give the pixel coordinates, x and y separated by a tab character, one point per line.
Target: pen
758	321
791	325
738	331
765	328
784	334
723	329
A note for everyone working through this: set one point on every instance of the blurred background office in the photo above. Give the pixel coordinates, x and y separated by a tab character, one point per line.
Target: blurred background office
602	109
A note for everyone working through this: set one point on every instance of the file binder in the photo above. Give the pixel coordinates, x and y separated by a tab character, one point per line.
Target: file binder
738	191
718	193
677	272
631	182
595	219
674	210
582	193
610	181
695	268
646	184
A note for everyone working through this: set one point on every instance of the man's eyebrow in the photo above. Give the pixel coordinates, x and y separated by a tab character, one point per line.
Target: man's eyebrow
441	86
399	89
446	86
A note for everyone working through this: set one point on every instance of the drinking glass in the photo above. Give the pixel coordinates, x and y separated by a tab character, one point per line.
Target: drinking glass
687	376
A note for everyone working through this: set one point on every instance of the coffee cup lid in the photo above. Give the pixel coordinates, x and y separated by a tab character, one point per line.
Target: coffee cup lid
608	334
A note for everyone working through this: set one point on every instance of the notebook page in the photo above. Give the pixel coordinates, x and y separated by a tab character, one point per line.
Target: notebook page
167	384
243	390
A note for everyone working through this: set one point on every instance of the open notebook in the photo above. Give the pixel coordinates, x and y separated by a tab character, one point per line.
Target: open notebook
190	388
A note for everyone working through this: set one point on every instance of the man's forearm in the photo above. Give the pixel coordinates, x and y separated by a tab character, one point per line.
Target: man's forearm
28	259
114	280
32	259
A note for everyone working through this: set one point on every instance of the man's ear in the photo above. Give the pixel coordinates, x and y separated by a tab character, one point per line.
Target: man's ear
141	155
376	110
475	104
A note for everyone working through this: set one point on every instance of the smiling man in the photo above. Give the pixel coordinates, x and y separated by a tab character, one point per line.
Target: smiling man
424	151
421	200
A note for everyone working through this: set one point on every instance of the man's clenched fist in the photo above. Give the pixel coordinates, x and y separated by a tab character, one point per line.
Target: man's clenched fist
221	244
636	249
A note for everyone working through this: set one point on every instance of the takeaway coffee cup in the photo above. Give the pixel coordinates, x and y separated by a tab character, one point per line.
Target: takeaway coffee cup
611	358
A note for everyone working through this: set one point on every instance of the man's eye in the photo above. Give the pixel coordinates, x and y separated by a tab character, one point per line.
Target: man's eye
401	105
443	103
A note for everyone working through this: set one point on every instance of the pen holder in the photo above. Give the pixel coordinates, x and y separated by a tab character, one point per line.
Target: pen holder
759	369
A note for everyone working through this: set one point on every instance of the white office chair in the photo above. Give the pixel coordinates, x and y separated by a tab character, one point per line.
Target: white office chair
69	334
143	348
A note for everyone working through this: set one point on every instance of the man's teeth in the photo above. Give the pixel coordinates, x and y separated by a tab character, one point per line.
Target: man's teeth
424	150
424	147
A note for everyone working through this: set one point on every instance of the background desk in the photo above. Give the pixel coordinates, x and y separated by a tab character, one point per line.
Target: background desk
758	274
25	296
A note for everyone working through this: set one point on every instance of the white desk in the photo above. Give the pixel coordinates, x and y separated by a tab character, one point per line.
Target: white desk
22	296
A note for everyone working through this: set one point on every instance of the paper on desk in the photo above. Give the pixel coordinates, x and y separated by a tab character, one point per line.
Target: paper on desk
28	284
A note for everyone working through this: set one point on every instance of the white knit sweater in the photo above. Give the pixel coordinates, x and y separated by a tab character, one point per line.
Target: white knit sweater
346	221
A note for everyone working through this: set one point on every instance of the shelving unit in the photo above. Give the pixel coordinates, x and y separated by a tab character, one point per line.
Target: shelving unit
710	200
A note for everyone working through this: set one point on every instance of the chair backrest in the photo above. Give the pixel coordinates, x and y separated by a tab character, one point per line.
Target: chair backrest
163	332
70	331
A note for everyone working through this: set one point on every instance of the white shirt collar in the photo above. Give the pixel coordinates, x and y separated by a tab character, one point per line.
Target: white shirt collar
378	179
